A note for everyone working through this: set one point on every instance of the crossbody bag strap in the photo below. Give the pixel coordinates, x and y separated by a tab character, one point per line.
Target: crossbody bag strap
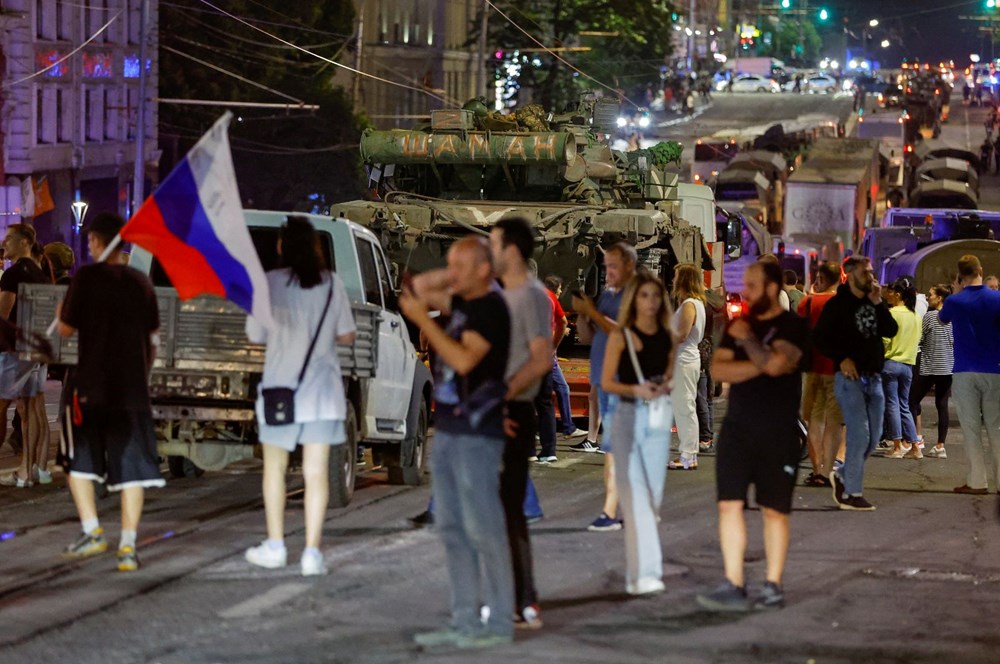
312	344
633	356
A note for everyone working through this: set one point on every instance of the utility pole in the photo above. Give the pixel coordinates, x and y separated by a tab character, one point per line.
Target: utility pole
139	174
690	40
483	27
358	45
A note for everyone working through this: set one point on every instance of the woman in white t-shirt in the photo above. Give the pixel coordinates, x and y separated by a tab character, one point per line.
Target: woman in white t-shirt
689	328
307	301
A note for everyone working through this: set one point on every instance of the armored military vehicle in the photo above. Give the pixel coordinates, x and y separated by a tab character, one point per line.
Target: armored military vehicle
469	168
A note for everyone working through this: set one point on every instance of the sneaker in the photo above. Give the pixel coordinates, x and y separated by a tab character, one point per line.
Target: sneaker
838	487
87	544
483	640
727	597
530	617
547	459
533	457
884	445
914	453
41	476
128	559
936	453
263	555
312	563
442	637
966	489
15	480
682	463
533	519
857	504
772	596
424	519
585	445
646	585
897	453
576	433
605	523
706	447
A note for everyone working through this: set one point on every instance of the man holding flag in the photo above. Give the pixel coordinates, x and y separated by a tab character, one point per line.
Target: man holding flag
193	224
111	438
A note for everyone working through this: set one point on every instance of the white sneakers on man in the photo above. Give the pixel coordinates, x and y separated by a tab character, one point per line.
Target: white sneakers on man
264	555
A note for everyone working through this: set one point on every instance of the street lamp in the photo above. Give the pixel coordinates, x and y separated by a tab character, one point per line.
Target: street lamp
786	4
79	212
885	43
824	14
873	23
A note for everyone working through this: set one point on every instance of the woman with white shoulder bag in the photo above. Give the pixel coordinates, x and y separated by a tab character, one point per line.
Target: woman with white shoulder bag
637	367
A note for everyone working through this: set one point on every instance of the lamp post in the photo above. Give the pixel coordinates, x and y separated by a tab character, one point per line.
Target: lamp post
79	212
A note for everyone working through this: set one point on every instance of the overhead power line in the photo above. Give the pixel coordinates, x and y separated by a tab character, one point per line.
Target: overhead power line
556	55
325	59
229	73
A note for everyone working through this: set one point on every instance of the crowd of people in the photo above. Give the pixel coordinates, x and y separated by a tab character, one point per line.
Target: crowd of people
851	357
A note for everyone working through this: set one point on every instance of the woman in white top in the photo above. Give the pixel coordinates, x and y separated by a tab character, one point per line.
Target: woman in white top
307	301
688	326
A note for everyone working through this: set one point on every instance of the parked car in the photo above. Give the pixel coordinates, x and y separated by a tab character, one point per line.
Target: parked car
821	84
750	83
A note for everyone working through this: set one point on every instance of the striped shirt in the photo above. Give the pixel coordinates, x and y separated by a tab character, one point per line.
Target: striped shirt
936	346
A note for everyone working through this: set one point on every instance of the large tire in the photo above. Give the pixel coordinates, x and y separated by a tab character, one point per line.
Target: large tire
181	467
405	463
342	463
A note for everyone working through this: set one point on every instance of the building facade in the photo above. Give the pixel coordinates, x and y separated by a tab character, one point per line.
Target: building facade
421	43
68	108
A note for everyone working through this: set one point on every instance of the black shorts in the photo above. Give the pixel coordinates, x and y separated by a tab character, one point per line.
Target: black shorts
114	446
769	461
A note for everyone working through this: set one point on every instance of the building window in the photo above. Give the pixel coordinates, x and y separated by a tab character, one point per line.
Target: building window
133	113
111	113
45	115
64	28
45	19
64	116
94	114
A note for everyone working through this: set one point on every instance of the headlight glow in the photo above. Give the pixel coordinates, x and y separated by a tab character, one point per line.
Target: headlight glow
644	122
622	122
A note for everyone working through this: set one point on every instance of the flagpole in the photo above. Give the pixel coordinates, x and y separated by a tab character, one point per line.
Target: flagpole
139	175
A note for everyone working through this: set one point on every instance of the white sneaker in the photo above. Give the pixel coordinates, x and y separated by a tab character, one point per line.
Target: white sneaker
312	563
646	585
41	476
576	434
263	555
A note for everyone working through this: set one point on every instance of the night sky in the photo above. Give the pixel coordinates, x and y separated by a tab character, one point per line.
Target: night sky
929	29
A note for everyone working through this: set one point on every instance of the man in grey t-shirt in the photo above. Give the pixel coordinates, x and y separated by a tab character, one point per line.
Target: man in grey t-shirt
512	242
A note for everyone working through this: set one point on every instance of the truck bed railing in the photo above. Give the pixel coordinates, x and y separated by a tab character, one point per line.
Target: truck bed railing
206	333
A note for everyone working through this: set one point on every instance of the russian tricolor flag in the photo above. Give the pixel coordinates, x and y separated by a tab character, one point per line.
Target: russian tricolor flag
194	225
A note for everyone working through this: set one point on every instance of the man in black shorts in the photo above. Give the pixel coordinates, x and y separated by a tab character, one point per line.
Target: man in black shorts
111	439
761	357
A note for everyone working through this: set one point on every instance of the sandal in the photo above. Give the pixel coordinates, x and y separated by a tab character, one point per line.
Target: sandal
815	479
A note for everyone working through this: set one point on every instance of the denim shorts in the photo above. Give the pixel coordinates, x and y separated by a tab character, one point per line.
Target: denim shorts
18	378
287	436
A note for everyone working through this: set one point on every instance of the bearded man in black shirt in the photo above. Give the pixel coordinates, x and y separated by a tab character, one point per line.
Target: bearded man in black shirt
762	359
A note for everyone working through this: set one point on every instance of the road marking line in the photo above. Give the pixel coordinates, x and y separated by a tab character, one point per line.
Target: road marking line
268	600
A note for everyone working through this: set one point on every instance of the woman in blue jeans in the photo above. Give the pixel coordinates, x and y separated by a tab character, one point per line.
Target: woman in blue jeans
900	358
638	364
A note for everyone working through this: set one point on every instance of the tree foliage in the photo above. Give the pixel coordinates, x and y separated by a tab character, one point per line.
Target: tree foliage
285	159
627	61
794	36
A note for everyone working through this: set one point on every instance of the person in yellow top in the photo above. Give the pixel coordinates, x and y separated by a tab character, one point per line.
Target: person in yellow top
900	358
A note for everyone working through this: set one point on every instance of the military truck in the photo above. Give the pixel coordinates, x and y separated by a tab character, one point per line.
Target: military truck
468	168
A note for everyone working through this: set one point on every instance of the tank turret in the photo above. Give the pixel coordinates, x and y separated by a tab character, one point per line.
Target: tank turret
470	167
